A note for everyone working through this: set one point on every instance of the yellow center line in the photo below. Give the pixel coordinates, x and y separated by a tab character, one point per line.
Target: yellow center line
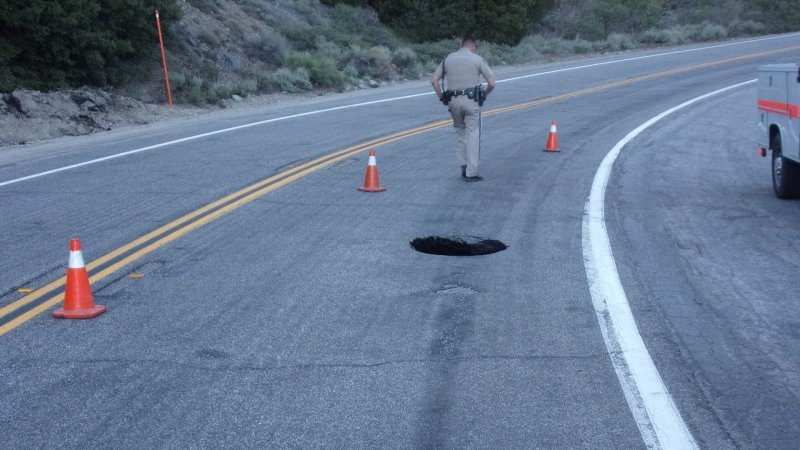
620	83
204	215
8	309
256	190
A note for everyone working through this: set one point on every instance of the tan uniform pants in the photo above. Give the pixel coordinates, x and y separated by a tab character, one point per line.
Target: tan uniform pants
466	119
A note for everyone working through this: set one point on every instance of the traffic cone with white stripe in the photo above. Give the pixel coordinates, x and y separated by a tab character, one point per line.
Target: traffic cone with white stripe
371	183
552	139
78	299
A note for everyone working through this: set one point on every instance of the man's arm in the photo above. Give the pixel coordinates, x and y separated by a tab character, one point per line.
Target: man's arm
436	83
488	75
436	79
489	84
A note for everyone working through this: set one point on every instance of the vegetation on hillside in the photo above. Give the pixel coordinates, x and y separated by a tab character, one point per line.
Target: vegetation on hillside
46	44
499	21
218	48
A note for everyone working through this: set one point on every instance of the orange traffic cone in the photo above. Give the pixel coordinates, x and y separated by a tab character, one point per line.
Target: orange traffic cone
371	183
552	139
78	300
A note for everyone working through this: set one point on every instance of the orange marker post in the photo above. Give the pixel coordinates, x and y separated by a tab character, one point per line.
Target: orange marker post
164	59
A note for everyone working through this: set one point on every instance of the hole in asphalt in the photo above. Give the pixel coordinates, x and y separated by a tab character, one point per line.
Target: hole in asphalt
457	246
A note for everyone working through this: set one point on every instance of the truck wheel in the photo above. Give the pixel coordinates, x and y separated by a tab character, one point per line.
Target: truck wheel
785	173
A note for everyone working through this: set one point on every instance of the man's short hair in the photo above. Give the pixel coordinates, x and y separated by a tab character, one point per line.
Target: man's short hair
468	39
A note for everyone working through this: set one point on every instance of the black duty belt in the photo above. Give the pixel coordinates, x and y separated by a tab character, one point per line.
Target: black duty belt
456	93
474	93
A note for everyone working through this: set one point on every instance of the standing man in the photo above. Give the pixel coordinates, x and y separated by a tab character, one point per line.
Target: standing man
462	72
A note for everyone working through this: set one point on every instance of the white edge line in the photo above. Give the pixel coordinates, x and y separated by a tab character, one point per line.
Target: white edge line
653	408
356	105
729	44
199	136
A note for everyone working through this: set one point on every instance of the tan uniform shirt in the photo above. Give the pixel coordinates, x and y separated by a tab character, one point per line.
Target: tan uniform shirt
463	69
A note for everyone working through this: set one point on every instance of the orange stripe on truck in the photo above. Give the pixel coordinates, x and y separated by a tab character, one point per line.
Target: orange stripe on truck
784	109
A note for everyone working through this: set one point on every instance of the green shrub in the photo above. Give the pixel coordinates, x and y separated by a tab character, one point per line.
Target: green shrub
234	27
7	78
194	96
46	44
188	89
208	38
581	46
380	62
348	18
436	51
330	49
228	61
321	69
495	54
617	42
301	38
288	80
712	32
350	73
429	66
745	27
404	57
359	58
309	10
501	22
614	43
527	50
208	6
671	36
177	81
268	46
354	22
556	47
196	82
220	90
407	62
207	75
246	86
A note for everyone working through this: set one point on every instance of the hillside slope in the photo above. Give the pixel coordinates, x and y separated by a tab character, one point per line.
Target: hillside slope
219	53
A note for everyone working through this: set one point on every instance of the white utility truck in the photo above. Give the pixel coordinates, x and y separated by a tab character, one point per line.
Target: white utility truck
779	105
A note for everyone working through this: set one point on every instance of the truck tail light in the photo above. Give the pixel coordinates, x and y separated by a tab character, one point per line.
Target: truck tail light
762	151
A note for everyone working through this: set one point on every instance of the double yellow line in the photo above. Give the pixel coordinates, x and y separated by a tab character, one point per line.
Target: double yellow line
627	81
112	262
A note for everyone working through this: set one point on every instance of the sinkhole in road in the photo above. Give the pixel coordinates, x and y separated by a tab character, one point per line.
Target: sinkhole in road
457	245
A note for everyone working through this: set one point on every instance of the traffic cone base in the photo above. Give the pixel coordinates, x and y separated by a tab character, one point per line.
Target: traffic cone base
552	139
371	182
88	313
78	299
371	189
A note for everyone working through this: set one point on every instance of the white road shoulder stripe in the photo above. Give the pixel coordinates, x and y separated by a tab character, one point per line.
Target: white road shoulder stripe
653	408
356	105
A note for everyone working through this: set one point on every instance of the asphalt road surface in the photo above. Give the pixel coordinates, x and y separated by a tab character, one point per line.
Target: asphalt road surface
256	299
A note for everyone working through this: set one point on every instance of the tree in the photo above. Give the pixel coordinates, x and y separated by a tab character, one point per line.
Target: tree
499	21
45	44
627	15
777	15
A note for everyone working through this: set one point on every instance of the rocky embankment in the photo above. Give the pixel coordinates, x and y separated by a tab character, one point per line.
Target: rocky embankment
32	116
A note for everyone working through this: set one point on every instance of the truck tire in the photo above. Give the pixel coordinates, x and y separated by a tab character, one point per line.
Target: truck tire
785	172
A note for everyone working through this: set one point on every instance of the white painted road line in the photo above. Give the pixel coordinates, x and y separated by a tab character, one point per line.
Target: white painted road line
653	408
199	136
356	105
636	58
